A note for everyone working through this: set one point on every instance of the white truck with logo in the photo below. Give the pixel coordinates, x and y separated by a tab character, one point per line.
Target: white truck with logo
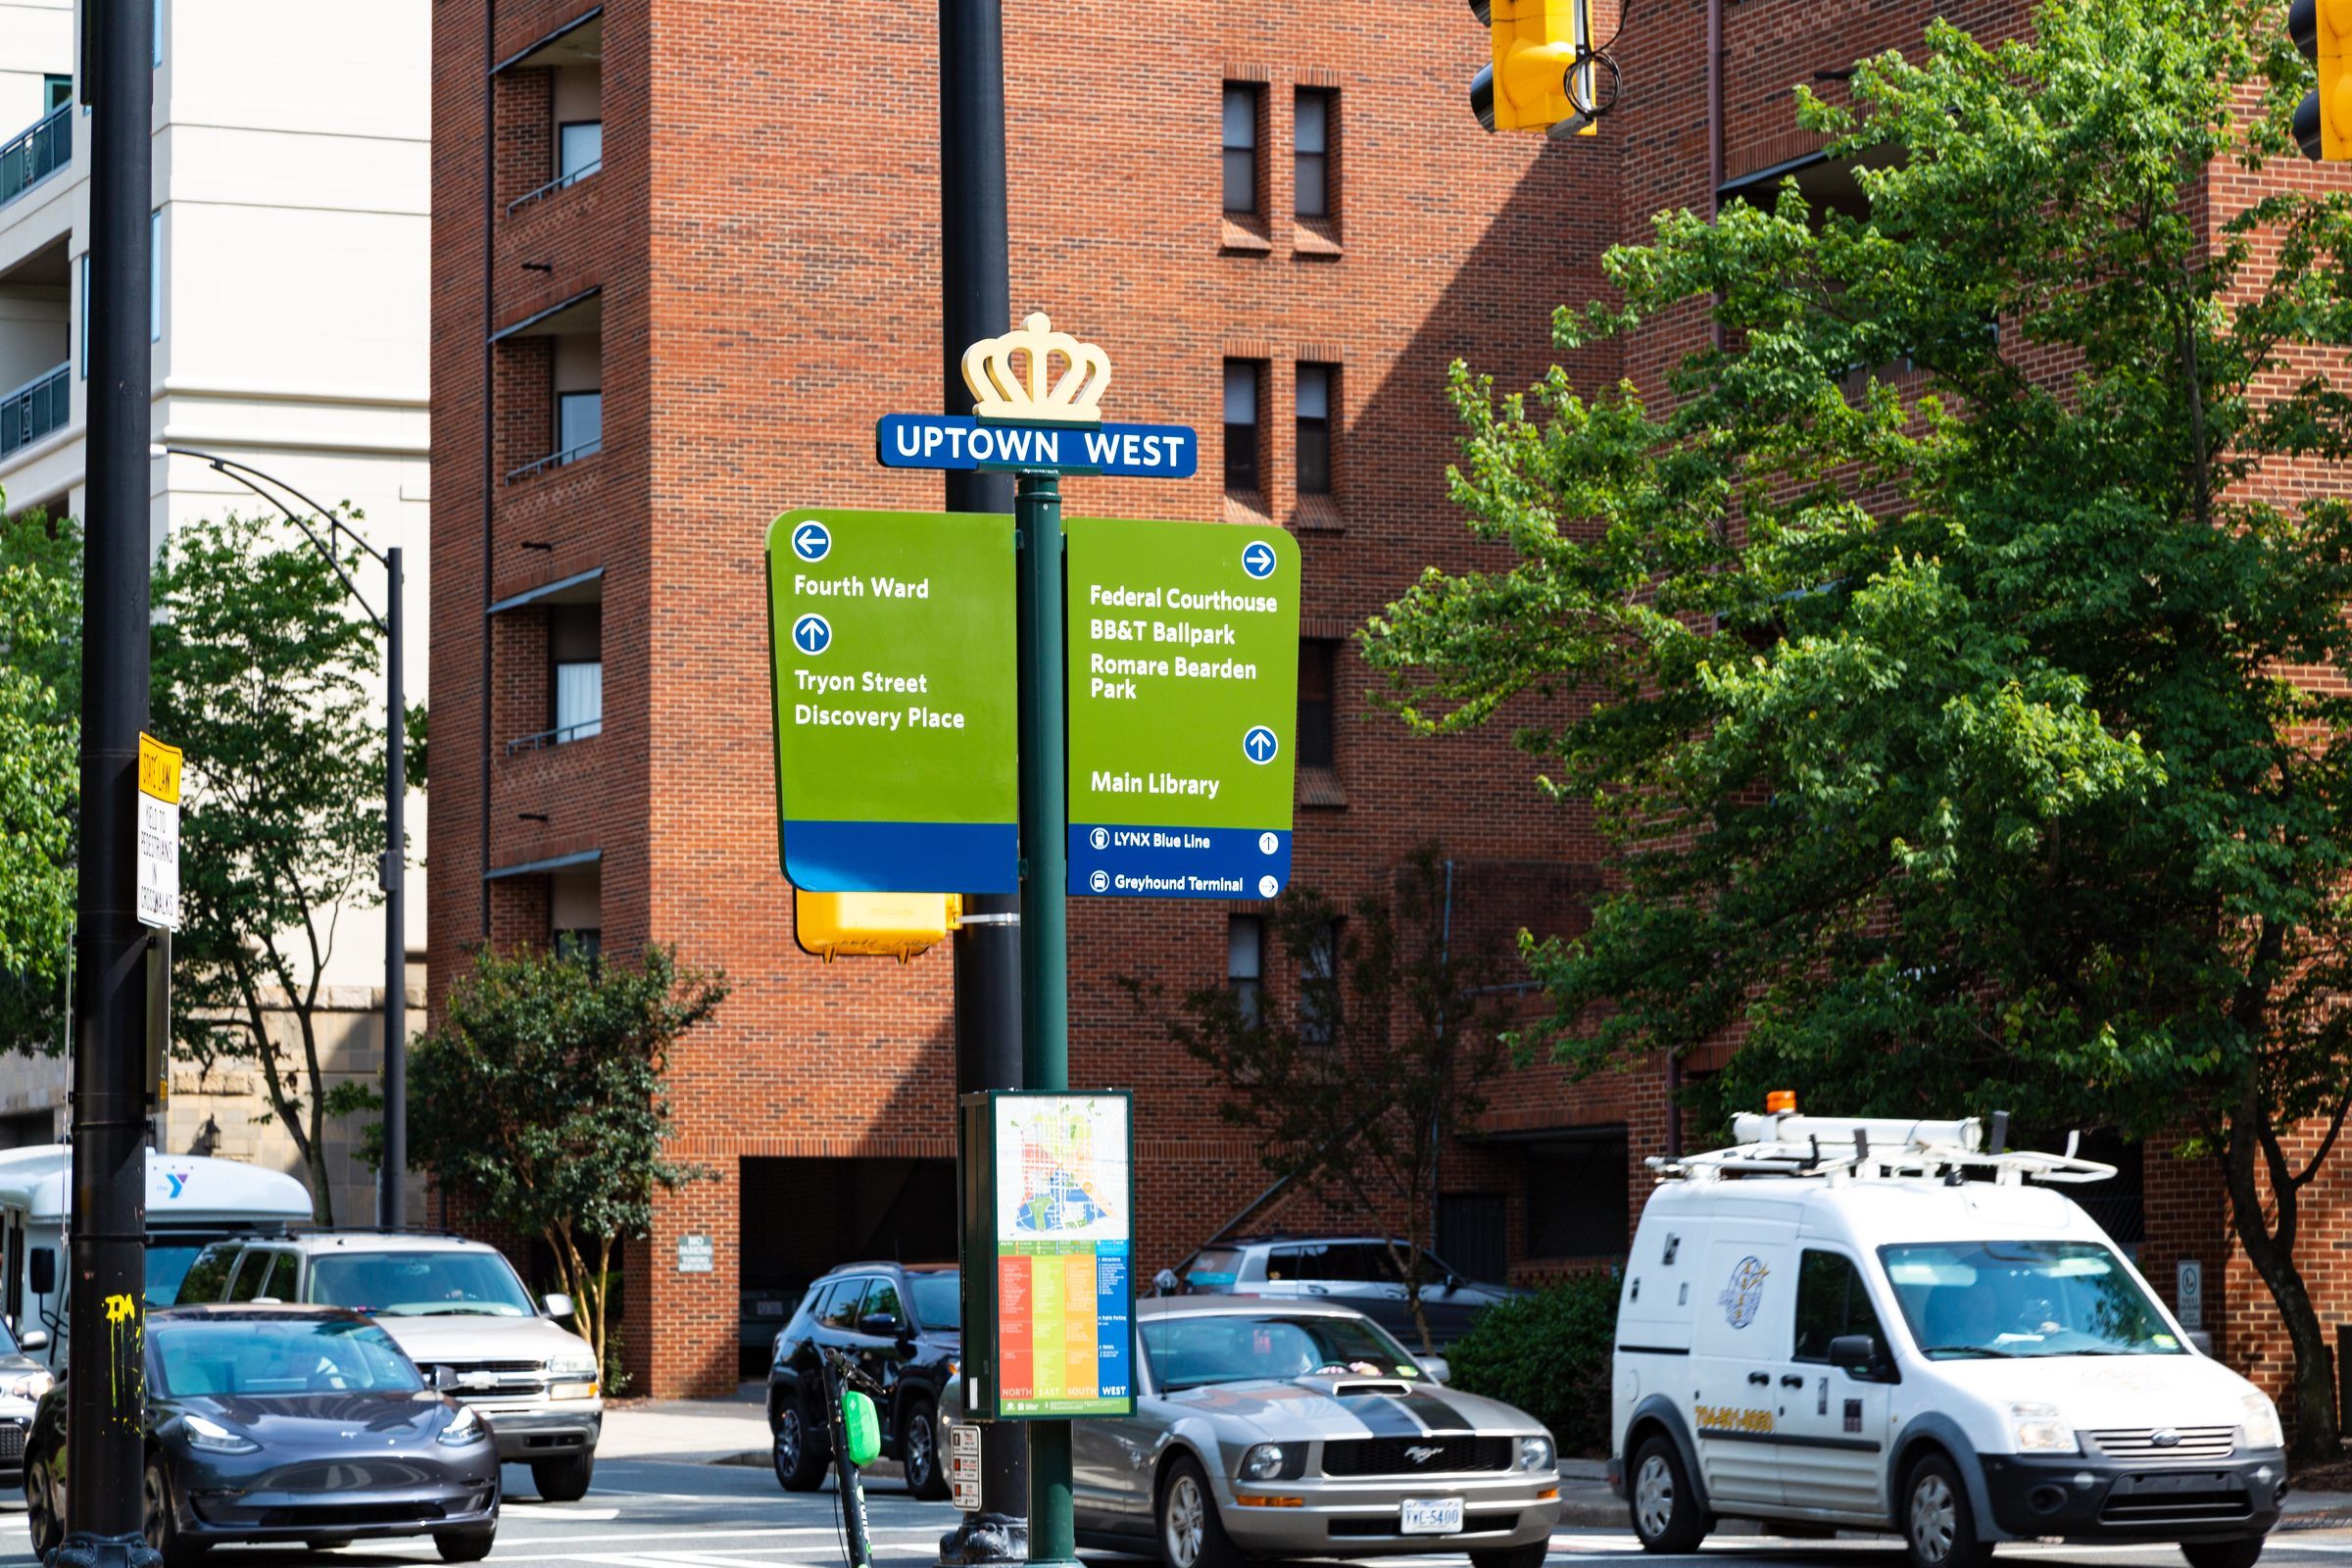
1896	1325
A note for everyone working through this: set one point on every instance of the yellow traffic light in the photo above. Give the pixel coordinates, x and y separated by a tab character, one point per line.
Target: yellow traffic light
1543	77
873	925
2323	31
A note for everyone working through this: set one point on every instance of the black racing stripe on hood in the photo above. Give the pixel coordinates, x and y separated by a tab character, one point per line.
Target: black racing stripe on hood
1435	1412
1405	1415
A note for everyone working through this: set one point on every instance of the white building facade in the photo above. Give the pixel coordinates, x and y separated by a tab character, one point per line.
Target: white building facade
291	209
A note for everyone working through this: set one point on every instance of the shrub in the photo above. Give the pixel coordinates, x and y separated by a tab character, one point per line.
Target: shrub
1550	1354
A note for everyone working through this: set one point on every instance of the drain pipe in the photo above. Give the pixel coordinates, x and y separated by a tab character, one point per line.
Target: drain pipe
1714	150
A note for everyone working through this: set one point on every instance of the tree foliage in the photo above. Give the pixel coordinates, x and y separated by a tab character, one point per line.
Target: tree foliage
261	665
539	1101
1977	735
1378	1062
40	681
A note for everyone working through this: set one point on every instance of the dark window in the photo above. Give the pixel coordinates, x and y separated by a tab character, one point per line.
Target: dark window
840	1310
579	148
575	651
56	92
206	1279
1470	1233
1576	1194
278	1284
1830	1301
250	1275
1316	383
1243	379
1240	148
882	1300
1311	150
1315	660
1245	961
584	943
579	423
1319	987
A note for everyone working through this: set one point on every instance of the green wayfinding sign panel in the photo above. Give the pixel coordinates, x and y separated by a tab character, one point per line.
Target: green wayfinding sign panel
1183	707
896	700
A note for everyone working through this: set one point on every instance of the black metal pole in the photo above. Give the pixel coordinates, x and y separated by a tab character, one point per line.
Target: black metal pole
106	1393
391	1197
976	302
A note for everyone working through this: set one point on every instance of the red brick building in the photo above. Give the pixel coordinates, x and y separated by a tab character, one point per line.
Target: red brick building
685	252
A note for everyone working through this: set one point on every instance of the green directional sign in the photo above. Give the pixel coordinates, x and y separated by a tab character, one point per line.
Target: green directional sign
1183	671
896	700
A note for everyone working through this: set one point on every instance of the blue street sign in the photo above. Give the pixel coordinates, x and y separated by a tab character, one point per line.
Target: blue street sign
812	634
1257	559
1260	745
811	541
959	441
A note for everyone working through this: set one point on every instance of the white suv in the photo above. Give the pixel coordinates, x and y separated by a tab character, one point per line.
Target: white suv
461	1311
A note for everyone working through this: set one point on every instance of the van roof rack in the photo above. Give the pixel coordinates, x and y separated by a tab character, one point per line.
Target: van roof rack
1841	1150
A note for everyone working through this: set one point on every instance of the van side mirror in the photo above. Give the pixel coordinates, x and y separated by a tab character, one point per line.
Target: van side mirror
33	1340
44	1271
1857	1355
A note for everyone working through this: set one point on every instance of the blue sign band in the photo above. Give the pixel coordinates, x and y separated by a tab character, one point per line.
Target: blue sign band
902	857
959	441
1109	860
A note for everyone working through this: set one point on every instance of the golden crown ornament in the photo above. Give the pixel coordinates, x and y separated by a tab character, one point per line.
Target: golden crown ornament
1002	391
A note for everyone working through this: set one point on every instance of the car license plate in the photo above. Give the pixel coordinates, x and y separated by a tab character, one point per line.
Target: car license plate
1433	1516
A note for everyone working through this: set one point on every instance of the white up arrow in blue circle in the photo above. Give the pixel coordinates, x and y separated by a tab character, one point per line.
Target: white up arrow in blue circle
1260	745
811	541
811	634
1257	559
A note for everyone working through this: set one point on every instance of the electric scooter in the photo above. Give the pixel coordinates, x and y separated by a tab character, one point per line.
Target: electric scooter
856	1441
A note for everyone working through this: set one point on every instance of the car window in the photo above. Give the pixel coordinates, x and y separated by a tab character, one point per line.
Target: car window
1289	1263
418	1284
278	1284
882	1300
285	1356
1830	1301
1187	1352
937	1301
1364	1262
206	1279
250	1274
2023	1298
1215	1265
840	1310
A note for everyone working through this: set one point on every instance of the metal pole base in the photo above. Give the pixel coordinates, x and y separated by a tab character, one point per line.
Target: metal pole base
984	1538
86	1550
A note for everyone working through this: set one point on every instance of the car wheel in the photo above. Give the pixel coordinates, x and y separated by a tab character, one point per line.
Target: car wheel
1666	1515
2240	1552
1530	1555
43	1515
464	1546
564	1480
918	1450
1191	1533
1938	1529
163	1525
801	1452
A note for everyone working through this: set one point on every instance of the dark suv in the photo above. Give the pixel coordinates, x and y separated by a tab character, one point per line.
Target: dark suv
899	1323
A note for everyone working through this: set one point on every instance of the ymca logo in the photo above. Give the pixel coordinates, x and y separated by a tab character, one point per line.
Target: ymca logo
178	1181
1744	1294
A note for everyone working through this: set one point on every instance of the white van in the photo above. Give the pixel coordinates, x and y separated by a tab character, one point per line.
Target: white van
192	1201
1889	1325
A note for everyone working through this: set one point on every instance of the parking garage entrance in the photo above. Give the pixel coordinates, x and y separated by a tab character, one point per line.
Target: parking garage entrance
801	1217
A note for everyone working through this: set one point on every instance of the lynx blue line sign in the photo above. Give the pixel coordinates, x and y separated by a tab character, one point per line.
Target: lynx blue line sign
959	441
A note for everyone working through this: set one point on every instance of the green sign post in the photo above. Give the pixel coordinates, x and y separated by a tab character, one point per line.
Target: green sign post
1183	695
894	656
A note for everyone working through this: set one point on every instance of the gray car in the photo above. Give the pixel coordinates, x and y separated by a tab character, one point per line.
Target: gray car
1302	1429
1358	1271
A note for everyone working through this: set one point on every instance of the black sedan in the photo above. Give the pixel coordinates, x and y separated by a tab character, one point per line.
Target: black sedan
287	1424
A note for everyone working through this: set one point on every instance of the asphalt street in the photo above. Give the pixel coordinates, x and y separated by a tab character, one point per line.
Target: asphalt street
654	1514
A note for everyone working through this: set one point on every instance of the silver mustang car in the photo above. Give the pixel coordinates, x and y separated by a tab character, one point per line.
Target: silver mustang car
1293	1429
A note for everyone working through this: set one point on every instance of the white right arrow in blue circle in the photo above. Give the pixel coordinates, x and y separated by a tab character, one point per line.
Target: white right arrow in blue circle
1257	559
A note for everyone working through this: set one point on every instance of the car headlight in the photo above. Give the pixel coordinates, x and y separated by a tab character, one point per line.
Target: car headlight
1270	1461
2261	1420
213	1437
573	1364
29	1385
1535	1453
2041	1428
464	1429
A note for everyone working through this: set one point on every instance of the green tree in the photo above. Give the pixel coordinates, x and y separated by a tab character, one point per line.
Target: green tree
1976	736
539	1101
1378	1063
41	681
261	663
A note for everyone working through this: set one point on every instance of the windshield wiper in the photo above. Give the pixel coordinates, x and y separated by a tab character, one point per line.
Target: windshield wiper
1969	1349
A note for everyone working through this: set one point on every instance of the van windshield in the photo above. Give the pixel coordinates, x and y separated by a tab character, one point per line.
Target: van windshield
418	1283
1985	1300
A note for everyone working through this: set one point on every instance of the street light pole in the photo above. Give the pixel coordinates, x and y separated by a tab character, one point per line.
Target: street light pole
391	1197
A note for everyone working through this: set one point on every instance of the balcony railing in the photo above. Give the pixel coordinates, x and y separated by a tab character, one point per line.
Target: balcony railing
556	184
557	460
583	730
35	153
35	409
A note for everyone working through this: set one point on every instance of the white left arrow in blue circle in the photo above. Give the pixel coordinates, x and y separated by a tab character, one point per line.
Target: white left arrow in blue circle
1257	559
1260	745
811	541
811	634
